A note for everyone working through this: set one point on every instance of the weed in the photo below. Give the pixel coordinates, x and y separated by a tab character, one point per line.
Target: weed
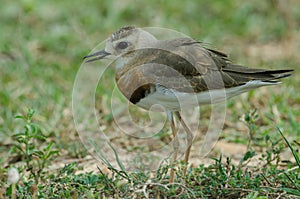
28	144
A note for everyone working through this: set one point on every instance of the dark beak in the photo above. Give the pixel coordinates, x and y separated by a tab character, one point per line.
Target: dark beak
96	56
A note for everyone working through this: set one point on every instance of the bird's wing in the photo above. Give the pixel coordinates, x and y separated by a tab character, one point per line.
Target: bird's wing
214	68
186	66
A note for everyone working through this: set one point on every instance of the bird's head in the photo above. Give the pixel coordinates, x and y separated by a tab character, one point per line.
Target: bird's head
122	41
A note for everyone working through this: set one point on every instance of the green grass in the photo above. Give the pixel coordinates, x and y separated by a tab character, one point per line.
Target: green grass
41	48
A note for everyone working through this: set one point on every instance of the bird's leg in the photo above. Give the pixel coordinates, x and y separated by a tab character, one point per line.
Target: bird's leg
189	138
175	144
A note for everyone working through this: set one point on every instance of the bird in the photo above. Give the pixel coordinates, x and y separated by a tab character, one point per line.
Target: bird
177	74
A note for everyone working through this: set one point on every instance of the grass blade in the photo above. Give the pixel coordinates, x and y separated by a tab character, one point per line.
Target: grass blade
296	156
117	158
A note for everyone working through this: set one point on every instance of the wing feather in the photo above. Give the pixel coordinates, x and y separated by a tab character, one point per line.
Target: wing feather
186	66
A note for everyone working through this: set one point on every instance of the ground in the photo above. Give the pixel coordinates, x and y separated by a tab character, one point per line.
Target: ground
42	44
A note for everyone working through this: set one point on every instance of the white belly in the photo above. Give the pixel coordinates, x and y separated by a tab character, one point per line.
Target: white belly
174	101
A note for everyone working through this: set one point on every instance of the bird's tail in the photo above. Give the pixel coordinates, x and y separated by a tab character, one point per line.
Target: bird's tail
243	74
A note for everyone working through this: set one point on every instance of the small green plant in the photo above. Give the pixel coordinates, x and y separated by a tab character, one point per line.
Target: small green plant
249	119
28	144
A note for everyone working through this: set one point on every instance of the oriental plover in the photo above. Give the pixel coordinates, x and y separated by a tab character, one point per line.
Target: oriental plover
177	74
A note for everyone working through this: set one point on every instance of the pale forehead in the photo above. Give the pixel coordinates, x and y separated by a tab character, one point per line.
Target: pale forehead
122	32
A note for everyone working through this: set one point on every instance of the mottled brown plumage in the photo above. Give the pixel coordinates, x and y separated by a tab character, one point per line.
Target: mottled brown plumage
181	64
122	32
186	66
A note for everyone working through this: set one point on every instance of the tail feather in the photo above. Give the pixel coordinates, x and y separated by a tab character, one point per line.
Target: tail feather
244	74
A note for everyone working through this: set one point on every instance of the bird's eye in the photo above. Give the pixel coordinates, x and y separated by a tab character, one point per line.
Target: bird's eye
122	45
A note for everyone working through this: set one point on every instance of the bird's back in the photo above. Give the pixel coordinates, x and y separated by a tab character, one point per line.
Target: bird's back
186	66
